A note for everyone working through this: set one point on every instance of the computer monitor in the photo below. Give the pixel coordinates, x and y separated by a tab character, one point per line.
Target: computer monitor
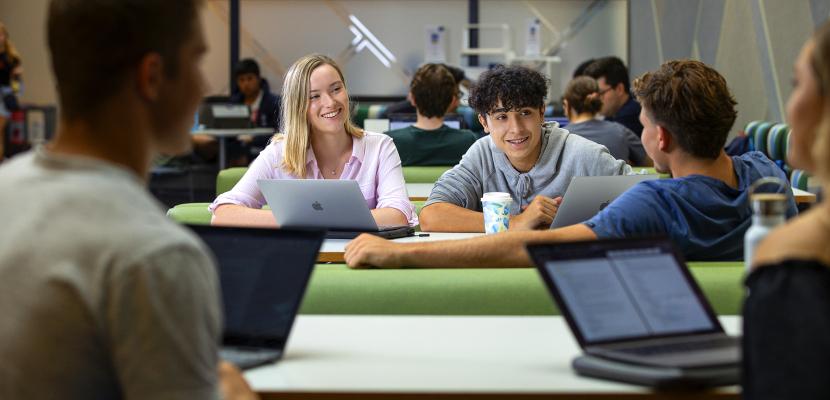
398	121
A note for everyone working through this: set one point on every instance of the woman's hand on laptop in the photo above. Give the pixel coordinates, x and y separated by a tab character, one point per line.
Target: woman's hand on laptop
371	251
536	215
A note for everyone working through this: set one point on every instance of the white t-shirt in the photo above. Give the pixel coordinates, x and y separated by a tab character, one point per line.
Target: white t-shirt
101	296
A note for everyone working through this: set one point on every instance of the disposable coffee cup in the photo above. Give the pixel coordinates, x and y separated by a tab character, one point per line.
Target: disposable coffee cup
496	207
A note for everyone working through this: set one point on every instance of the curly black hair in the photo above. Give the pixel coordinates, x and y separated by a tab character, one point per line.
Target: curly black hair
515	86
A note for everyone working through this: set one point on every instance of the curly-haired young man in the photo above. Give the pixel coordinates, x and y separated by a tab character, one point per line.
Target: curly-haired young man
532	161
687	113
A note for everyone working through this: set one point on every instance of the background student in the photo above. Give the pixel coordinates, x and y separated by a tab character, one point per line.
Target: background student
11	73
429	141
687	114
786	334
319	141
581	102
253	90
618	105
102	296
532	161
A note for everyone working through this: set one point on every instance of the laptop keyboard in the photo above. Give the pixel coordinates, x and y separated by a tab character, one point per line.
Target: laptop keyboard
680	347
246	358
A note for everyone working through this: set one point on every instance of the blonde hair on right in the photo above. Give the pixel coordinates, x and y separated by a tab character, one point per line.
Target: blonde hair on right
11	50
294	122
820	62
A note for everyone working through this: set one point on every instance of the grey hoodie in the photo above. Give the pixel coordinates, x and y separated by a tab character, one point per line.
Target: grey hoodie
485	168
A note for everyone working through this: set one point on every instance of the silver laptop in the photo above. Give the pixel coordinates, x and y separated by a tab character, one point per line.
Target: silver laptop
588	195
336	205
263	274
637	312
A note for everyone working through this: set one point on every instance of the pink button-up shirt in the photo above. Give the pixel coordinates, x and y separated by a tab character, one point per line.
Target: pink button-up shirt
374	164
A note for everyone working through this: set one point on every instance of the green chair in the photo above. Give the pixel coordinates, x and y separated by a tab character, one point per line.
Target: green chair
431	174
190	213
777	142
227	178
758	139
800	179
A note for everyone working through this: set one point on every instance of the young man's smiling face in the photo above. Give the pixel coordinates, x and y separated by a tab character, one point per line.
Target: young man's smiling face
517	133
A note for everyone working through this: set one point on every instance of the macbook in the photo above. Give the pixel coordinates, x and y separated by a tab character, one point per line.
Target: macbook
263	274
588	195
336	205
637	313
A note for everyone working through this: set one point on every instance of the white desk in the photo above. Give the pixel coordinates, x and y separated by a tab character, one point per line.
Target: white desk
419	191
222	135
333	249
803	196
438	357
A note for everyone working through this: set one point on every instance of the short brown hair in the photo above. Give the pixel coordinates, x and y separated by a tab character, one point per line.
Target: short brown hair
582	94
433	88
95	43
691	100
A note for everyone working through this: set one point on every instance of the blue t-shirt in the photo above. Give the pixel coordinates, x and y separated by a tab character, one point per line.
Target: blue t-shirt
704	217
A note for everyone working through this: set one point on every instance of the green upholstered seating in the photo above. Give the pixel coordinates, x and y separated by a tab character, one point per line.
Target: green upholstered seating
758	137
777	140
334	289
430	174
227	178
800	179
190	213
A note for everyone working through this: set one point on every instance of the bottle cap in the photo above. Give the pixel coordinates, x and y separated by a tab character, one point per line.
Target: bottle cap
768	196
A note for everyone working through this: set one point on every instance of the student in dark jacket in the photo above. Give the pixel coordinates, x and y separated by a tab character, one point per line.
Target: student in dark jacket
618	105
254	91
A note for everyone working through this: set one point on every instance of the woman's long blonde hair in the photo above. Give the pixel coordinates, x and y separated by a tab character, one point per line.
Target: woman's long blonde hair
294	122
11	51
820	62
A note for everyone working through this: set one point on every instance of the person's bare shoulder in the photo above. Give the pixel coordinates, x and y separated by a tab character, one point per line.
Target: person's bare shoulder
805	237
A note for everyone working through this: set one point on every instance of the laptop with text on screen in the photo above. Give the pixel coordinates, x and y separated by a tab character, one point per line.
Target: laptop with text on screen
637	313
335	205
263	274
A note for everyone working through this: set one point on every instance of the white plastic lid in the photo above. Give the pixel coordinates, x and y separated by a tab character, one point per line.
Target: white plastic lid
497	196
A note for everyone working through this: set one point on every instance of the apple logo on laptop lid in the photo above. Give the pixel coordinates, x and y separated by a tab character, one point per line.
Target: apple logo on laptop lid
317	206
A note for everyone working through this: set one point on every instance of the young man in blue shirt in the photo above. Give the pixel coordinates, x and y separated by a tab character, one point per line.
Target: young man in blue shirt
686	116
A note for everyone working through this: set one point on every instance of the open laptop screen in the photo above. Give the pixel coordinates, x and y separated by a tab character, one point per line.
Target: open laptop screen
263	274
398	121
624	289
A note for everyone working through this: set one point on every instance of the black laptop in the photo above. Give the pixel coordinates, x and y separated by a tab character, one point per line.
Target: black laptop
263	274
637	313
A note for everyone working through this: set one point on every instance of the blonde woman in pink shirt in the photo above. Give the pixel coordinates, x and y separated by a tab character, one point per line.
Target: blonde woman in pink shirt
319	141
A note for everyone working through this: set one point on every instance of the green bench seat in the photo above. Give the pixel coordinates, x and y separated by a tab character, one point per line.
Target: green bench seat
335	289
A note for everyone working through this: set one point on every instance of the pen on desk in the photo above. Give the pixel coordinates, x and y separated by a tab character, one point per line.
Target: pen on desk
423	235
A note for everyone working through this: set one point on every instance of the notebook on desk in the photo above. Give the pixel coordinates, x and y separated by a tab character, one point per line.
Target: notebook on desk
263	274
637	313
335	205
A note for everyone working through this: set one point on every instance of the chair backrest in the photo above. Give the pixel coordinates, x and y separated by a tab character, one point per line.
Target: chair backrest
777	139
227	178
417	174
